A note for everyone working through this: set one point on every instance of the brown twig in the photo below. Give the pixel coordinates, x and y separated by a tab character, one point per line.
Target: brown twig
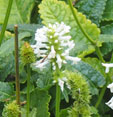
17	67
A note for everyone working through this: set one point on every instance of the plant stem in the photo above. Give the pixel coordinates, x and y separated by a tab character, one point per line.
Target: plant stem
57	100
6	20
17	67
28	90
80	26
101	94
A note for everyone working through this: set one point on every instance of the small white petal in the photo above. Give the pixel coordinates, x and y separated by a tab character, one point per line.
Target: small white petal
52	54
110	86
74	59
59	61
61	84
107	66
110	103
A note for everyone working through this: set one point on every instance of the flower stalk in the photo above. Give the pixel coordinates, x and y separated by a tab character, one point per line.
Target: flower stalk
28	90
17	66
6	20
57	100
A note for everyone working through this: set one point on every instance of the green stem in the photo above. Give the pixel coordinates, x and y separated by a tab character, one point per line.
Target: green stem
57	100
80	26
101	94
28	90
99	54
6	20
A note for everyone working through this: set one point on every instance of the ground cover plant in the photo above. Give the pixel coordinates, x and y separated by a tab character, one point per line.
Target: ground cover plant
56	58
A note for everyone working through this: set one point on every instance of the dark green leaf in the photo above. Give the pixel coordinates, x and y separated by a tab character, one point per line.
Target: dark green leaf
6	91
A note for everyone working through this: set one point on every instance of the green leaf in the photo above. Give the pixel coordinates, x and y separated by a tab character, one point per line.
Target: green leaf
40	100
93	9
43	79
8	47
20	12
94	78
96	64
107	47
6	66
108	13
107	29
57	11
106	38
6	91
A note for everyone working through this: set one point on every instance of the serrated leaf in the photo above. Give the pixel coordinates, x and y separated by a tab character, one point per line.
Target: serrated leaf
93	9
108	13
6	91
40	100
57	11
20	12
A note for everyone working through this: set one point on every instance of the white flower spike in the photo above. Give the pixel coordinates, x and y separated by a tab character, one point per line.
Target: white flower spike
110	103
54	44
110	86
107	65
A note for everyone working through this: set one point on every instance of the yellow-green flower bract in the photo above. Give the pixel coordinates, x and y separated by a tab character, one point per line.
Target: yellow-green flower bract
11	110
80	93
27	54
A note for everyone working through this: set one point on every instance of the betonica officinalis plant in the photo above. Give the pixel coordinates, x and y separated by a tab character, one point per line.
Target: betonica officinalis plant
58	60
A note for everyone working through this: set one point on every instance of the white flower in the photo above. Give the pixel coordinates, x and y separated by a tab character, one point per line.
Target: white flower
110	86
54	44
107	66
110	103
61	84
52	53
74	59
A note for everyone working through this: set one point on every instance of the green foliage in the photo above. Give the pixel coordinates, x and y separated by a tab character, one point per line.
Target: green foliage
57	11
6	66
6	91
20	12
93	9
106	38
11	110
40	100
108	13
94	78
81	95
96	64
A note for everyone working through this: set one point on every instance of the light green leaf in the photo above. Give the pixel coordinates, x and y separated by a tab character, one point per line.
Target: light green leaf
40	100
93	9
57	11
6	91
108	13
20	12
